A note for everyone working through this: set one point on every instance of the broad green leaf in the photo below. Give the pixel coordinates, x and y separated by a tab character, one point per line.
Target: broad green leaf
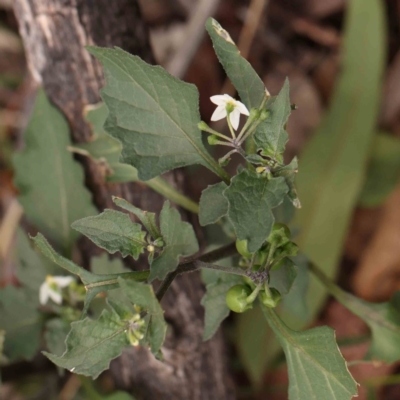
94	284
383	173
143	296
50	181
213	204
152	114
317	369
251	198
382	318
92	344
113	231
179	238
148	219
106	150
22	323
103	148
271	136
333	165
214	303
56	332
284	277
249	85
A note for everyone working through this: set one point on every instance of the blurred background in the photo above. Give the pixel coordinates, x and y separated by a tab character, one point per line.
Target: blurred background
345	82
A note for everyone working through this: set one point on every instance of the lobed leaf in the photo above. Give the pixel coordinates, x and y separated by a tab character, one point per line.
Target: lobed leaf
46	175
249	85
251	198
94	284
213	205
317	369
92	344
214	303
152	114
148	219
143	296
179	239
271	136
113	231
284	277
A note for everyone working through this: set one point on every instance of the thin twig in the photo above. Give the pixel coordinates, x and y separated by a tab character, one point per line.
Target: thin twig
191	264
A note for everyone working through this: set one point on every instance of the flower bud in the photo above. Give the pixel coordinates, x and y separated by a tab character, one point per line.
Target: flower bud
213	140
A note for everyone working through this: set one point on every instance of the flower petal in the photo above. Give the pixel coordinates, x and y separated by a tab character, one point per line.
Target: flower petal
242	108
234	117
62	281
228	98
43	293
55	296
219	113
218	99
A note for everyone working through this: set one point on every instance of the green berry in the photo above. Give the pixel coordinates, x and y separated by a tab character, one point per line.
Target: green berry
236	298
241	247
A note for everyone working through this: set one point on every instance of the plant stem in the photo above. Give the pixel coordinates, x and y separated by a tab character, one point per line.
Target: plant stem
254	294
230	126
229	270
216	133
191	264
161	186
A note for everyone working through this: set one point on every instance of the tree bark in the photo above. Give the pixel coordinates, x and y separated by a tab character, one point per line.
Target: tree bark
55	33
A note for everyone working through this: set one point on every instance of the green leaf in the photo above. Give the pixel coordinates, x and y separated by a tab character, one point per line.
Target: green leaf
22	323
251	198
152	114
289	172
50	181
103	148
271	136
113	231
333	164
179	239
317	369
94	284
55	335
249	85
143	296
92	344
214	302
148	219
284	277
213	204
383	172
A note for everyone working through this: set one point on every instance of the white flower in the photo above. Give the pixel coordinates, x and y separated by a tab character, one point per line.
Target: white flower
227	103
51	288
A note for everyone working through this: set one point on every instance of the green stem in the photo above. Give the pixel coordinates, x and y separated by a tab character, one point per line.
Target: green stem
191	264
254	294
161	186
206	128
